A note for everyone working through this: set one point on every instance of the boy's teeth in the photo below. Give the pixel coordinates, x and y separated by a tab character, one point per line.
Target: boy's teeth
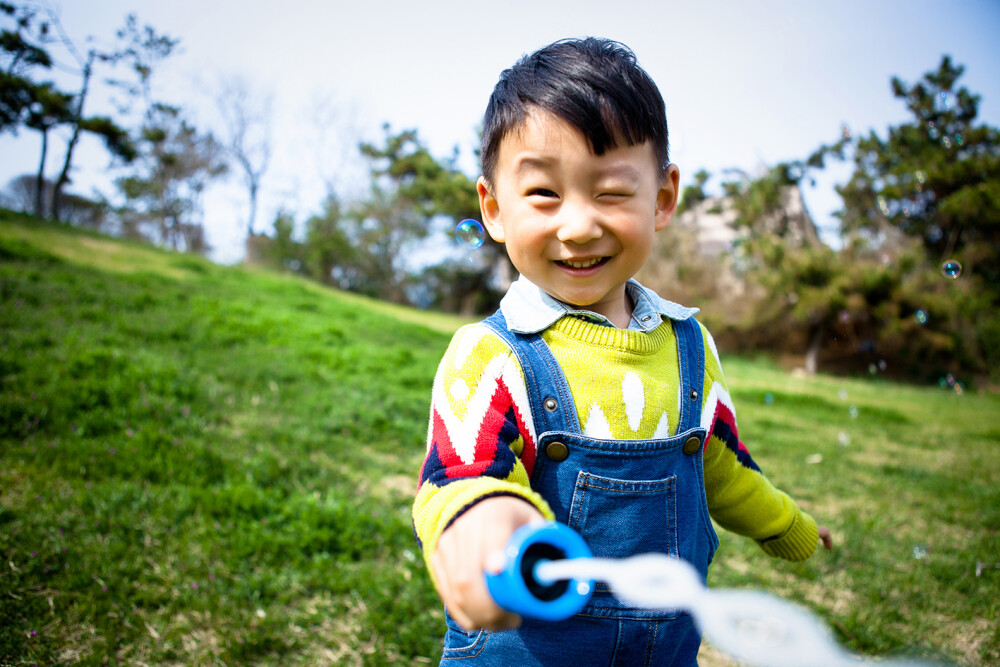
581	264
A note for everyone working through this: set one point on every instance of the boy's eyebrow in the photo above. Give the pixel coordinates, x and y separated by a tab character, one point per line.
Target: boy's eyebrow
623	170
530	162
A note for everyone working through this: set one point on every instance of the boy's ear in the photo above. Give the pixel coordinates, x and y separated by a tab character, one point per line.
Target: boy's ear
490	208
666	197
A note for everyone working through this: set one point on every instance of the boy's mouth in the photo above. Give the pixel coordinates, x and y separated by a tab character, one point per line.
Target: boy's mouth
582	264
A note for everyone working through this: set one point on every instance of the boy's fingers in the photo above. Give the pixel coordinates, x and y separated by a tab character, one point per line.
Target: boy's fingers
495	562
506	621
462	619
468	599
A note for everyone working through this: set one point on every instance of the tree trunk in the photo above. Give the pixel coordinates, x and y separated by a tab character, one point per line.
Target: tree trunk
77	120
812	354
253	207
40	179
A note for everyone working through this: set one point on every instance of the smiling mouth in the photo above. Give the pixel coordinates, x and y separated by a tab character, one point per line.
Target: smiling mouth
588	263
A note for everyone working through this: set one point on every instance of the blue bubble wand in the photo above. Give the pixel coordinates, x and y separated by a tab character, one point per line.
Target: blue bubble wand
549	574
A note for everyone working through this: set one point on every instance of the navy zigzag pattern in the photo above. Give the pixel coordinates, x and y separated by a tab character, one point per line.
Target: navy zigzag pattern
725	433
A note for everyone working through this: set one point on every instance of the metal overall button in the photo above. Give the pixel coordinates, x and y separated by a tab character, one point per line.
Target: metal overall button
694	394
692	445
550	404
557	451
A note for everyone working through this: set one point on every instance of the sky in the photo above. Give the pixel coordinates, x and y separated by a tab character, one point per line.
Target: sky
746	85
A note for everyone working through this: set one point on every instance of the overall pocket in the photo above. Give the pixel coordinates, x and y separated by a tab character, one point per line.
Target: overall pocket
620	518
460	643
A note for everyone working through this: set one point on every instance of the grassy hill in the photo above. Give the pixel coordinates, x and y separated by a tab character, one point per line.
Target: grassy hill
211	465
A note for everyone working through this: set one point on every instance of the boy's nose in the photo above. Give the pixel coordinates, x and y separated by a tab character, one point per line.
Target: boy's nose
578	224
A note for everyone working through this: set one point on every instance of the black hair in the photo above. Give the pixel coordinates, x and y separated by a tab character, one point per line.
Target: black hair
596	85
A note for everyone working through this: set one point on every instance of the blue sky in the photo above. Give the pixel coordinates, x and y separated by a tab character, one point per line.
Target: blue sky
746	84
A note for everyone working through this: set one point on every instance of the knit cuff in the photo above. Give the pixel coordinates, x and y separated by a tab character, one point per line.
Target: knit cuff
795	544
464	496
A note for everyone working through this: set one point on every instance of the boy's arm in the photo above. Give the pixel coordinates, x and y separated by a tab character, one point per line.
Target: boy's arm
480	441
464	552
740	498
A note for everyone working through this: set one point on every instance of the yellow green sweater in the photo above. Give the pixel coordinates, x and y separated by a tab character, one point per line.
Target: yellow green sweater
625	385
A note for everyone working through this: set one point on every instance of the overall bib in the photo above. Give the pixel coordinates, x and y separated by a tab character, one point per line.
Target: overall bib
625	497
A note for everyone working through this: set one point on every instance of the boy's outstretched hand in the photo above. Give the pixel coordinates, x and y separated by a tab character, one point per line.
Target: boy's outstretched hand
464	553
825	537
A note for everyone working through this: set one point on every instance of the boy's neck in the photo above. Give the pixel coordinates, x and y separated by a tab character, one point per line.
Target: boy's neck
621	315
619	312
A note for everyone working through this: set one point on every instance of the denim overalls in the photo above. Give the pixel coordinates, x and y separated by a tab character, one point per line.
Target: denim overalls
625	497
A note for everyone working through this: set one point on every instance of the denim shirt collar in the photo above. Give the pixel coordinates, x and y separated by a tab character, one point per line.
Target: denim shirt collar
528	309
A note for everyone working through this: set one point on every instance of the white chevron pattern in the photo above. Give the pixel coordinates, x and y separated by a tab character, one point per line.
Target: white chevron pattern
634	397
717	394
597	424
662	428
464	431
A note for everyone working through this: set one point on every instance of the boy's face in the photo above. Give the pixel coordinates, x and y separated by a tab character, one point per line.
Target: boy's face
576	224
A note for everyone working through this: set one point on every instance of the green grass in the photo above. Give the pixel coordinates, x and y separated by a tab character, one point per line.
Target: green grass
908	479
210	465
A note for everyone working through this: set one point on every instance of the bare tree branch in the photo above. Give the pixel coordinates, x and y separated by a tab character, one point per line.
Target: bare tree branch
246	135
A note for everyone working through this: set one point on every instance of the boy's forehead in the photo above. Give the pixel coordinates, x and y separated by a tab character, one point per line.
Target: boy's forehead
540	126
542	136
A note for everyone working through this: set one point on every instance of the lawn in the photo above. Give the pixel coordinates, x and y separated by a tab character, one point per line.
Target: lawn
212	465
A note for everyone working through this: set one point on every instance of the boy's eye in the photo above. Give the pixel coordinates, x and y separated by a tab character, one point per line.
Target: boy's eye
541	192
614	194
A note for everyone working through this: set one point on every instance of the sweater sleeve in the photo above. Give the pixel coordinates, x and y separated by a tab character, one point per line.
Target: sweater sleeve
480	439
740	498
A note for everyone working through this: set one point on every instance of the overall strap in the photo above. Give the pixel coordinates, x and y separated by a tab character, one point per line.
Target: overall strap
691	363
552	407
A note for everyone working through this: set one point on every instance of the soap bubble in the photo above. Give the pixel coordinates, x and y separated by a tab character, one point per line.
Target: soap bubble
959	140
946	141
951	269
846	131
470	233
919	551
921	316
921	176
944	101
883	204
843	438
881	365
853	411
758	629
959	388
845	317
872	369
769	398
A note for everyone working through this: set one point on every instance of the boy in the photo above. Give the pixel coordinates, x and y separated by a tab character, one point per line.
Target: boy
587	399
